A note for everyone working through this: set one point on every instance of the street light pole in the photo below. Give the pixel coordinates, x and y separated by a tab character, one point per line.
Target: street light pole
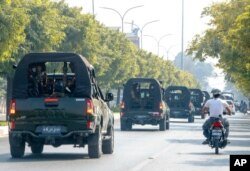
122	16
158	41
142	28
182	35
93	7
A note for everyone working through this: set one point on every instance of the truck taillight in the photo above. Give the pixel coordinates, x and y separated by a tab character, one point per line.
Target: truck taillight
161	105
12	125
122	105
90	107
13	107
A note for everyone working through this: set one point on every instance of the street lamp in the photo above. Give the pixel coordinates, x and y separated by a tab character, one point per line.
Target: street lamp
93	7
158	41
122	15
142	28
182	35
167	50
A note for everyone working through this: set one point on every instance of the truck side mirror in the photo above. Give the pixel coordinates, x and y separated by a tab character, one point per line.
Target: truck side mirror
109	97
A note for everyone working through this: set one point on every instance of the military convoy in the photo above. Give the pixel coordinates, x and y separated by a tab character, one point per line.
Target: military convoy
56	101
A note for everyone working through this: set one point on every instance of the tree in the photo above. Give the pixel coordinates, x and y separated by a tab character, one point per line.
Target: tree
228	40
13	20
201	70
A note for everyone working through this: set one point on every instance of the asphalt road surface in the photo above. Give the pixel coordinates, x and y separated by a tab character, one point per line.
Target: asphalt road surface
144	148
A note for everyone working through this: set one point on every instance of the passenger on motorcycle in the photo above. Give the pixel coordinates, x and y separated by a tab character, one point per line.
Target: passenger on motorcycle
215	107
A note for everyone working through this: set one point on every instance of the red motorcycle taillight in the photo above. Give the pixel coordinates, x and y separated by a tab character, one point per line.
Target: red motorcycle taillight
217	124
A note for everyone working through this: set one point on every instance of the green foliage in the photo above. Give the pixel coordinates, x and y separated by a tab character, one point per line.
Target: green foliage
46	25
3	123
228	40
13	20
201	70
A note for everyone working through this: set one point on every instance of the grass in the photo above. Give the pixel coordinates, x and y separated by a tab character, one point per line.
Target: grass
3	123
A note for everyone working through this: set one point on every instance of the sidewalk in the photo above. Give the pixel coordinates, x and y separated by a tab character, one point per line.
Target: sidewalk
3	131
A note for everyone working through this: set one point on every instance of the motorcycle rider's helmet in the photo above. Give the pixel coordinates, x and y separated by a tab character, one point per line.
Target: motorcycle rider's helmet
216	92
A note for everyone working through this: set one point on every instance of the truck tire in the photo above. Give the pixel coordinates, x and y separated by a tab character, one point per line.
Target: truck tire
123	125
36	148
129	125
108	144
162	124
126	125
167	123
17	148
191	118
95	144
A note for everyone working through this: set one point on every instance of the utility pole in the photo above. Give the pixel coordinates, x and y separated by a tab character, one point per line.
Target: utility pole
182	35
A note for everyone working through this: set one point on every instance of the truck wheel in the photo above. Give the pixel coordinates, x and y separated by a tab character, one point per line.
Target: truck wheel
190	118
129	125
162	124
17	148
37	148
167	123
202	116
95	144
123	125
108	144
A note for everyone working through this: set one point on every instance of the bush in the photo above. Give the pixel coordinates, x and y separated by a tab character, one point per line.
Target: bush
3	123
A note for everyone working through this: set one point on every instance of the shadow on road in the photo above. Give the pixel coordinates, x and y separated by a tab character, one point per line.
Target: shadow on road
43	157
139	130
211	162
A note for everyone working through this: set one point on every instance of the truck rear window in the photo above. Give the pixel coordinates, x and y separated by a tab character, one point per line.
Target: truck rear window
51	79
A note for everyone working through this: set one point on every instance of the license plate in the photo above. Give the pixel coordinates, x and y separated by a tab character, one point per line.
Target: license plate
216	133
51	130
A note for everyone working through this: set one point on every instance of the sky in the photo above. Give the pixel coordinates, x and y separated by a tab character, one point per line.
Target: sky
169	14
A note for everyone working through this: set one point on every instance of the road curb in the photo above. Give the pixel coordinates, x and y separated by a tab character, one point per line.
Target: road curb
3	131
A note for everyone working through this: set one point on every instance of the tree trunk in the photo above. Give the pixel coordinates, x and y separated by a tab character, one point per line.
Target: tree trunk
118	96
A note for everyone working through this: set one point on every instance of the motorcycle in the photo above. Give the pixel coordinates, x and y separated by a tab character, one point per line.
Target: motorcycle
217	136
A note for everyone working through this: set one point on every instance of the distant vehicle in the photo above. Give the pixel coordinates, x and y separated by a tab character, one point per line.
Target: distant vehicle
231	106
143	104
206	97
178	99
56	100
227	96
197	99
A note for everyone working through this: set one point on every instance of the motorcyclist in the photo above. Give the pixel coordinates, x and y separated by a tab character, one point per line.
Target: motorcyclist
215	107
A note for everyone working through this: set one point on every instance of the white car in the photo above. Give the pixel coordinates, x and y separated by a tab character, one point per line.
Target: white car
231	106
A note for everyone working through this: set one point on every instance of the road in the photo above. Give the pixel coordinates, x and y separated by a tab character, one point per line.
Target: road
144	148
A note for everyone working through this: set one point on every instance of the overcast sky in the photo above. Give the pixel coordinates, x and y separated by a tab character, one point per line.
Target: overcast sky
169	12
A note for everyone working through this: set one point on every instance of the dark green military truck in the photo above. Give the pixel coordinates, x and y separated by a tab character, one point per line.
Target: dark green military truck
143	104
197	98
178	99
56	101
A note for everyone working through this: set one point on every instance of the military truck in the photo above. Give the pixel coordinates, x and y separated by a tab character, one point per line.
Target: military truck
206	97
143	104
197	99
56	101
178	99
